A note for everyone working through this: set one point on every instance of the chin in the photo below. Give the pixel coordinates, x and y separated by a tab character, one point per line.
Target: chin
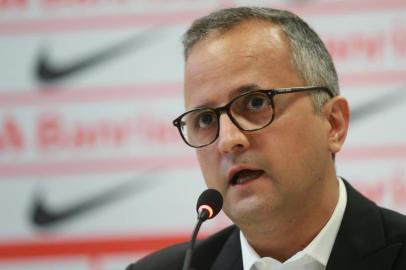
247	212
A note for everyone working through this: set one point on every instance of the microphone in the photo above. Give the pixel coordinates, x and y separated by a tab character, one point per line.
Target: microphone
208	206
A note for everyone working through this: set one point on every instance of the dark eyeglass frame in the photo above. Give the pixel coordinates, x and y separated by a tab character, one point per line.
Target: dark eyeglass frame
226	108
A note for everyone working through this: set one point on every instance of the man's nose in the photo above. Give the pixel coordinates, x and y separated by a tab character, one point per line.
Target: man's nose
231	138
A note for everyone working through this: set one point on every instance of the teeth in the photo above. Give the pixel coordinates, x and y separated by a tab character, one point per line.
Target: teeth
241	180
245	176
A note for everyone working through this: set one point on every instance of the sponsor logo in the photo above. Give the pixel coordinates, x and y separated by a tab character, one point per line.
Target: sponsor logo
43	215
47	71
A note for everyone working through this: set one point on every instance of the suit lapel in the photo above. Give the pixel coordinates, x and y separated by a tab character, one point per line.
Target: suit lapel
360	242
220	251
230	257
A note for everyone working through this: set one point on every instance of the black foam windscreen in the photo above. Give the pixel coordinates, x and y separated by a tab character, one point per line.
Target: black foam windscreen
210	198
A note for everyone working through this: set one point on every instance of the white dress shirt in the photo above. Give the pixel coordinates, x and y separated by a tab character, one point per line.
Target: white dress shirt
313	257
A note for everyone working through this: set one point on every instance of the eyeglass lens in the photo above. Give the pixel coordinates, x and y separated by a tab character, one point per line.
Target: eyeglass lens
250	111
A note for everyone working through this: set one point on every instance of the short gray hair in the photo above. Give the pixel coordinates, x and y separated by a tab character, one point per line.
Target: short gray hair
309	54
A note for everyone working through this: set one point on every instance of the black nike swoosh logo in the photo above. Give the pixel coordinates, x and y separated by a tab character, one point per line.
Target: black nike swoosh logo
377	105
42	215
47	71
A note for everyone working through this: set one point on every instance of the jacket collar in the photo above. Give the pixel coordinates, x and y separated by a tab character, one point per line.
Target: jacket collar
220	251
361	242
230	257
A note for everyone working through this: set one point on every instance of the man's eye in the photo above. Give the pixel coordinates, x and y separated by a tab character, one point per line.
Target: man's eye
256	103
205	120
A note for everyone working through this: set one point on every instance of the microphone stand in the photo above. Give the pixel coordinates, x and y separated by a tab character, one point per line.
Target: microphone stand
203	216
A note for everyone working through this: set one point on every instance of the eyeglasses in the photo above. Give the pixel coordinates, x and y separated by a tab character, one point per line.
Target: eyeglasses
250	111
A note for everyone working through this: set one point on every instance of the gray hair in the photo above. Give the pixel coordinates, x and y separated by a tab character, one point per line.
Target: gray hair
309	54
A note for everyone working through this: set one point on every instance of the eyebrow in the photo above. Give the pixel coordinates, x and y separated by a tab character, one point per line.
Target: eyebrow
236	92
244	89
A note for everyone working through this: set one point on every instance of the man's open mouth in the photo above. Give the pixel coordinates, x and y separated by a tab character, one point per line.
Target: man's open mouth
245	176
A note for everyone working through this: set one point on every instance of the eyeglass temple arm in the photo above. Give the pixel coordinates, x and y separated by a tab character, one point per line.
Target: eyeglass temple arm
300	89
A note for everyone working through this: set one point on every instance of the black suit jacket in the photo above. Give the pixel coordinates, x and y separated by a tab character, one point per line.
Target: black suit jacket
369	238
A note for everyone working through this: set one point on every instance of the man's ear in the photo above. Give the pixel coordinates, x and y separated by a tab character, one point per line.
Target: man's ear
337	113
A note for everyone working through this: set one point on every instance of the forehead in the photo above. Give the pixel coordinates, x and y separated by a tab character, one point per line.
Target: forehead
254	52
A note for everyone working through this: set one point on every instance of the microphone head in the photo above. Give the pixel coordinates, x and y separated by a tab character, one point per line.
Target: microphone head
211	201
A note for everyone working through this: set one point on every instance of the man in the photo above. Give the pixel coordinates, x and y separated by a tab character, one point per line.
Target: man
265	116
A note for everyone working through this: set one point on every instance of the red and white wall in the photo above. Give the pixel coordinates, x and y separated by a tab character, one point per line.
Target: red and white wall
99	140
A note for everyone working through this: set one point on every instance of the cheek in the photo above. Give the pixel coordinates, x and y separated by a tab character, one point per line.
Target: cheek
286	147
305	150
278	157
299	132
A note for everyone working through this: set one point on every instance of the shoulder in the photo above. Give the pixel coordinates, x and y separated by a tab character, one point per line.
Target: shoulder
172	257
395	231
394	224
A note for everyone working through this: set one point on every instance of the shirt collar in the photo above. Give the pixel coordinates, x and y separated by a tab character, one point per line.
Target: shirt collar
319	248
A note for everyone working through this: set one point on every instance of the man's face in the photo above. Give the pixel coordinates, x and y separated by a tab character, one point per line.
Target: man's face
274	171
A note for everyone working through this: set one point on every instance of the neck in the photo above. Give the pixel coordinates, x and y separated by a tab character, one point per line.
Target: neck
282	237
